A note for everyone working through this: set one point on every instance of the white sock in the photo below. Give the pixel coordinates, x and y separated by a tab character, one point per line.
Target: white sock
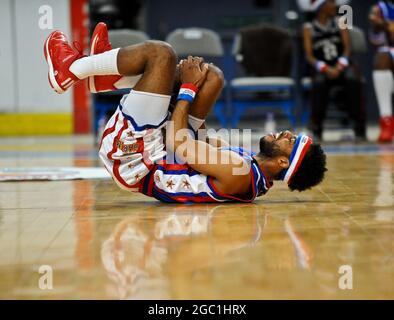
195	123
384	81
102	64
127	82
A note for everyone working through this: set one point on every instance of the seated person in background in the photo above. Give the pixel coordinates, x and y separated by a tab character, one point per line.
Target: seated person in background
382	37
327	49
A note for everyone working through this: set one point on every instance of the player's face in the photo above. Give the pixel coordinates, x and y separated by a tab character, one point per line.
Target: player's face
331	7
283	142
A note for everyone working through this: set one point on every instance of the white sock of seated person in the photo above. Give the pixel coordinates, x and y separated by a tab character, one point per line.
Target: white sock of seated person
383	83
102	64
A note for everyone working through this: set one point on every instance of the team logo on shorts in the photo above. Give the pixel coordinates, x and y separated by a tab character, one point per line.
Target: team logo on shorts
127	148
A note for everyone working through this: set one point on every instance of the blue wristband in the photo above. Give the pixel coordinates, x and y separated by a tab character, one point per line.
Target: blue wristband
183	96
187	92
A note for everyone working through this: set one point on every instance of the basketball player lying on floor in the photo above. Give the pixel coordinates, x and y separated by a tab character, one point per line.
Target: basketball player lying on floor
133	149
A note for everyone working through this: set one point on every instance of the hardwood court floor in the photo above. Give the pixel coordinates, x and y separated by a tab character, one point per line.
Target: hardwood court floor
104	243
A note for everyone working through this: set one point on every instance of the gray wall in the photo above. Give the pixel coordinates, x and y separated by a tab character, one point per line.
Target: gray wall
23	78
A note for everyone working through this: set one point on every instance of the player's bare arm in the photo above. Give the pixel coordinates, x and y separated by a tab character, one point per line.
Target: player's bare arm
346	42
200	155
307	36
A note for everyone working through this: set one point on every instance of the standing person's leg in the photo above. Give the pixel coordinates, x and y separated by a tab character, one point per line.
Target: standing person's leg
384	82
354	100
319	103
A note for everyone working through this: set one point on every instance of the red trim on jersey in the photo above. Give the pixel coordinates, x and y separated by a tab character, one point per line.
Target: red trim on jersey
114	145
176	167
117	163
195	199
220	194
151	184
148	163
115	168
268	183
109	130
192	197
141	145
173	166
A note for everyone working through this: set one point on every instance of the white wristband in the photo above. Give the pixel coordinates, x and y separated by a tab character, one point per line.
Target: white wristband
321	66
344	62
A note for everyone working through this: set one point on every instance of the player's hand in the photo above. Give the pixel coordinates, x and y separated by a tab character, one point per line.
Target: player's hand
200	59
193	70
178	66
333	73
339	69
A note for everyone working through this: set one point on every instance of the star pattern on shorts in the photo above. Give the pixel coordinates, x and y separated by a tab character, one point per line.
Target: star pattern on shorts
158	179
130	134
186	184
137	176
131	166
170	184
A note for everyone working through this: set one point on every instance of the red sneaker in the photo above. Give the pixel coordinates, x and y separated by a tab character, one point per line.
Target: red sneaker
99	44
386	130
59	56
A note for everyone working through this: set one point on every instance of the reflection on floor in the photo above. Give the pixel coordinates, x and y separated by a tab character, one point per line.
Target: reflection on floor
104	243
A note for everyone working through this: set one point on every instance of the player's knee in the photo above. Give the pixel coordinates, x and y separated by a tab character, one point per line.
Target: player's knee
215	76
166	51
163	51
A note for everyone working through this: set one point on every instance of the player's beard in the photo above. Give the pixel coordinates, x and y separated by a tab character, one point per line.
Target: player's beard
269	149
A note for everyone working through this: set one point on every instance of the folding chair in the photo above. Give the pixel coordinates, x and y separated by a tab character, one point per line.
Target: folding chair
200	42
266	54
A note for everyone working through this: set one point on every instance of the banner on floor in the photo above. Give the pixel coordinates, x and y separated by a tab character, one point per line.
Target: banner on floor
52	174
